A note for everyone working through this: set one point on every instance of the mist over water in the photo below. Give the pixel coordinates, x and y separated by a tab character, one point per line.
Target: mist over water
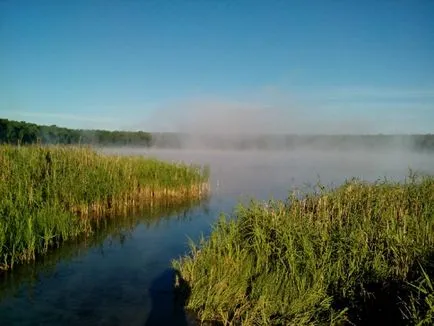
271	121
265	174
269	143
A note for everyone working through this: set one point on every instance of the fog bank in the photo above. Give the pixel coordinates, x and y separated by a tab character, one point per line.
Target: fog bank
262	174
276	122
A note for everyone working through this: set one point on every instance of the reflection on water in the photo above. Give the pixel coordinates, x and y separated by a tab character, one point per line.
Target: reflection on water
121	274
165	302
110	278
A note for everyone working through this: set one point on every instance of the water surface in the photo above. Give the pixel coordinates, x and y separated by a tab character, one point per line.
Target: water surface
121	275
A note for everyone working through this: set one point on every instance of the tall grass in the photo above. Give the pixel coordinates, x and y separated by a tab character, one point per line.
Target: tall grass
342	256
419	309
49	194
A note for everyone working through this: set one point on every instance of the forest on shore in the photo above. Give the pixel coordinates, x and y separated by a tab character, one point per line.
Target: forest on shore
20	132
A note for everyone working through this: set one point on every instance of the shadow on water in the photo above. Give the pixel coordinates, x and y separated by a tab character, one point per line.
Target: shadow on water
167	303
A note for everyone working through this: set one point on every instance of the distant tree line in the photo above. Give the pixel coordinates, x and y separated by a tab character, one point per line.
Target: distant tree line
424	142
20	132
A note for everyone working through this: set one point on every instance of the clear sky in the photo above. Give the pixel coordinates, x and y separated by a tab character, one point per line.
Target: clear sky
119	64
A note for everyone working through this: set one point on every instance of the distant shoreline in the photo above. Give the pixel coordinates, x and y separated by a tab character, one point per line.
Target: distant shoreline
20	132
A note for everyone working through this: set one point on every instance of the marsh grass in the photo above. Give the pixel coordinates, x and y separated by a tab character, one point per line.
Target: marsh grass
334	257
51	194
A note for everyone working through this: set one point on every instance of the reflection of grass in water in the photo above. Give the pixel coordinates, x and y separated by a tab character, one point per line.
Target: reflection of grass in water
116	229
335	257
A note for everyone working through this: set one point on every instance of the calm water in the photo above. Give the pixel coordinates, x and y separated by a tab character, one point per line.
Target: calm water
122	276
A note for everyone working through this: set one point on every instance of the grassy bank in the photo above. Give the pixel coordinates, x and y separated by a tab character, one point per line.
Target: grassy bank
50	194
358	254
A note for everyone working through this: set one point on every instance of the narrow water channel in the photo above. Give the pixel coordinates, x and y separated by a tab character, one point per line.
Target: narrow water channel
121	275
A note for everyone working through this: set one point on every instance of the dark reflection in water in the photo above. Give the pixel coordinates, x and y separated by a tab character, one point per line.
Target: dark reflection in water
167	305
118	276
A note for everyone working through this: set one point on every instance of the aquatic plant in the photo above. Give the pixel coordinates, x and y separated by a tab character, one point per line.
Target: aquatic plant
50	194
336	256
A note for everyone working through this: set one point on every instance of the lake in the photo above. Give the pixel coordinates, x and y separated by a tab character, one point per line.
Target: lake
121	275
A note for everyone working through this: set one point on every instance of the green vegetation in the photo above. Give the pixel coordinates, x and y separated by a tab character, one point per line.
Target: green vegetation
358	254
51	194
20	132
420	308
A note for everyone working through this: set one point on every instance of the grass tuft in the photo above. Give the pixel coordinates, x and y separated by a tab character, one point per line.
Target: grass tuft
341	256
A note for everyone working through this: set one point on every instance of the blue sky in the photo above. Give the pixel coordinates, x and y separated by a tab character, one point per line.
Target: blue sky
120	64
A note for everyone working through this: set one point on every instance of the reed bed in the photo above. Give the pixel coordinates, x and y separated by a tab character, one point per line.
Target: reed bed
358	254
51	194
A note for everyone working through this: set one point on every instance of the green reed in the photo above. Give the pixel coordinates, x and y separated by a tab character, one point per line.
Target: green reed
335	257
49	194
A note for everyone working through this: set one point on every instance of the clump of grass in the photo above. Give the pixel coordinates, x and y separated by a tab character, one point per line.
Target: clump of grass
342	256
419	309
49	194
